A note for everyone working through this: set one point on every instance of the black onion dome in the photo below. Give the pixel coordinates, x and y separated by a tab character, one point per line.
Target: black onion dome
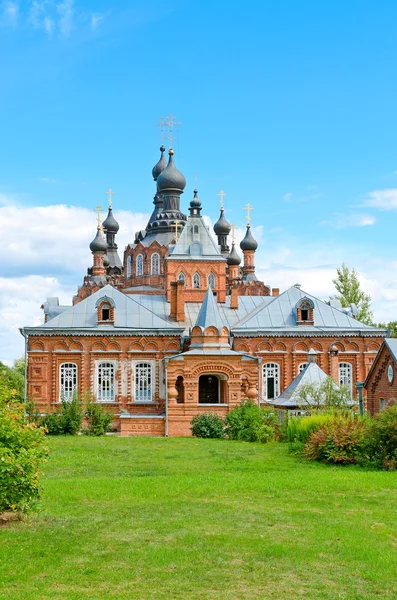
98	244
171	178
110	223
248	242
222	226
195	202
233	259
161	165
106	261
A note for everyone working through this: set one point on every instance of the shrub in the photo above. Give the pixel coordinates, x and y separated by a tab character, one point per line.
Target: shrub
98	421
299	429
380	446
250	423
337	441
66	419
22	450
207	425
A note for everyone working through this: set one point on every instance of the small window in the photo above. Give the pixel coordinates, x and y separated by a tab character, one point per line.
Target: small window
129	266
346	375
304	312
156	264
211	281
195	229
139	265
196	281
302	366
181	277
105	314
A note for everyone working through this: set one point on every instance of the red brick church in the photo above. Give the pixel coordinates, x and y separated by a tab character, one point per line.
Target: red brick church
182	325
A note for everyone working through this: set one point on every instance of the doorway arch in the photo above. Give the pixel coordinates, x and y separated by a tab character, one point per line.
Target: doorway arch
209	389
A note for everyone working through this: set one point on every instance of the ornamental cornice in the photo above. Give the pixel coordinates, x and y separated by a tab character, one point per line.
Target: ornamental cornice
304	334
103	333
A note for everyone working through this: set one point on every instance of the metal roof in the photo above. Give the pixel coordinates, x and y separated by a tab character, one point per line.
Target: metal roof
209	314
311	374
196	243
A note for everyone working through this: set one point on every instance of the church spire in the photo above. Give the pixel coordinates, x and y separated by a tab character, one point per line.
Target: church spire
222	227
98	248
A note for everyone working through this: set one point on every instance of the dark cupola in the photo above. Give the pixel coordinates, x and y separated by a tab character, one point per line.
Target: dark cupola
234	259
222	229
99	243
248	245
171	181
111	228
160	165
195	205
248	242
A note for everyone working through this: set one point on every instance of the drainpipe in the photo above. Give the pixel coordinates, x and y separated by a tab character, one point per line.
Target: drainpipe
166	396
359	385
259	359
25	383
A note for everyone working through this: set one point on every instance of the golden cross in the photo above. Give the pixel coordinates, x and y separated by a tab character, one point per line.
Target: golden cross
221	197
248	208
176	231
110	194
98	209
233	233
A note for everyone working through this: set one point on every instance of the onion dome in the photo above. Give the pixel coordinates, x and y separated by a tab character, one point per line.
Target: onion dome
248	242
99	243
161	165
110	223
234	259
195	202
106	261
222	226
171	179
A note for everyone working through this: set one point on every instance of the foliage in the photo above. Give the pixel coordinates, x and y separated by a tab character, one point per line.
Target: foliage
98	420
67	419
250	423
339	440
22	450
380	448
349	292
391	326
300	428
326	395
207	425
13	379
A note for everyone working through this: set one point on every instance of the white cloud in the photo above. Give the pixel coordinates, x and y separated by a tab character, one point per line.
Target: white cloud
9	12
342	221
66	13
97	18
383	199
287	196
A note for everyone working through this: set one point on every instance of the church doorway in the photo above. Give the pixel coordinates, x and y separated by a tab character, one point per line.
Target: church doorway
209	389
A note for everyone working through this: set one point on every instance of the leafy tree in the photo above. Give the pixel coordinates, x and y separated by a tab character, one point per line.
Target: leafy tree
349	292
315	396
12	379
392	326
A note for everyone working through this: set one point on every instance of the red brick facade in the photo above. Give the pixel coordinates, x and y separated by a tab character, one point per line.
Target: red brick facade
381	383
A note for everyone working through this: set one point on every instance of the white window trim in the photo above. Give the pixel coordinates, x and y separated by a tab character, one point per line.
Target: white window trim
136	265
302	366
151	263
115	365
343	365
129	261
276	384
76	387
152	364
199	281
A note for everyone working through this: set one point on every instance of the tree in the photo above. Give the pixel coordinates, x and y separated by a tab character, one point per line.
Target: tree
392	326
349	292
325	395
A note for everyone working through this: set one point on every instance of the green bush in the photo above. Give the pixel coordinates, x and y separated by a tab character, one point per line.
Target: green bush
98	421
380	445
22	450
250	423
67	419
208	425
338	441
299	429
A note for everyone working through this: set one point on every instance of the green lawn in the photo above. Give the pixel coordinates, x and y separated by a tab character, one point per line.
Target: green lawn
187	518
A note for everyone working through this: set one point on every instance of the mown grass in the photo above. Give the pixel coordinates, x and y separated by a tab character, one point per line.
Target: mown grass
187	518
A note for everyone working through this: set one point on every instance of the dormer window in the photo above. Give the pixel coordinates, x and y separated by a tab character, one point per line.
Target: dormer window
305	312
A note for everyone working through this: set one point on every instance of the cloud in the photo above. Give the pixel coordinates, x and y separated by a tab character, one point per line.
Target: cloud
66	12
342	220
287	196
9	12
97	18
382	199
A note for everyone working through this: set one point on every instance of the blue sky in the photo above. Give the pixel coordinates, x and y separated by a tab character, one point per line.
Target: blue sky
287	105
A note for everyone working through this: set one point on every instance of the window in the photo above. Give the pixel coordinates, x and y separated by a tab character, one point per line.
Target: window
196	281
105	382
271	381
105	313
302	366
139	265
195	229
382	403
129	266
68	381
155	264
143	382
181	277
211	281
304	312
346	375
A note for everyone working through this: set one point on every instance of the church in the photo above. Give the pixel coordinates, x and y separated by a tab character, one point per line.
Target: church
181	324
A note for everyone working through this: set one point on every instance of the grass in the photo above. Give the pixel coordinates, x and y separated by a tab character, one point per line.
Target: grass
186	518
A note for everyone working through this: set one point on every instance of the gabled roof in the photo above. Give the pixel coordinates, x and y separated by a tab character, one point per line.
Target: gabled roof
391	345
312	373
129	315
209	314
196	246
280	314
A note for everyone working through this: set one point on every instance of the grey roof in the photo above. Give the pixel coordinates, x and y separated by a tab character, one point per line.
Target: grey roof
129	315
163	238
311	374
280	315
209	314
197	246
160	165
110	223
391	343
170	178
248	242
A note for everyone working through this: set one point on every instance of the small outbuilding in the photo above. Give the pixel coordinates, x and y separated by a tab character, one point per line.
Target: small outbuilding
381	381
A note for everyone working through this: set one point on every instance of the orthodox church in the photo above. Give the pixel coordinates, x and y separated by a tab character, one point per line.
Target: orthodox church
182	325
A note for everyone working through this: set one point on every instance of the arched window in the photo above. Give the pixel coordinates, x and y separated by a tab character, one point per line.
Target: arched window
304	312
105	382
143	382
271	381
139	265
67	381
196	281
211	281
129	266
302	366
195	229
105	312
181	277
346	375
155	264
